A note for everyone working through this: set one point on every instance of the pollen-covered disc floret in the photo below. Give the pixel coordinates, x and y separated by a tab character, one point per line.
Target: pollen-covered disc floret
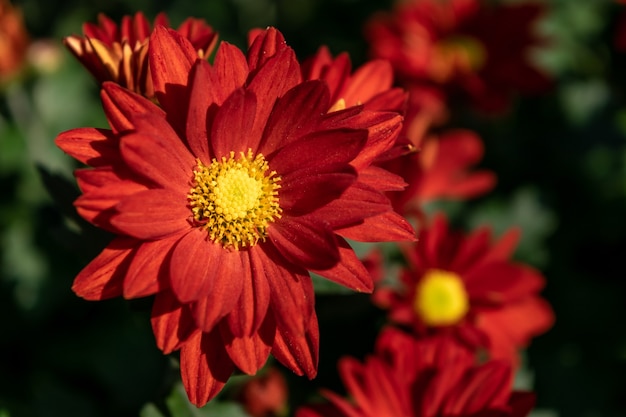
441	298
235	199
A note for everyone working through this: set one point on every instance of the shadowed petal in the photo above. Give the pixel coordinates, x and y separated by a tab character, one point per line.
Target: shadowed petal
204	366
251	308
119	103
349	271
228	280
298	352
171	56
103	277
305	193
147	273
156	153
305	242
249	353
292	296
152	214
90	146
302	157
232	126
277	76
172	323
291	116
231	70
385	227
193	264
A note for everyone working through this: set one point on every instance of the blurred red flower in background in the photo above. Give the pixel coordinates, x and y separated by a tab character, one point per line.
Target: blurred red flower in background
265	394
120	53
224	198
469	287
14	40
463	45
440	169
429	377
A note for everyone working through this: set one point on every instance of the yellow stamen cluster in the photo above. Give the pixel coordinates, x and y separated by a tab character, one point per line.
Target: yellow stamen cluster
235	200
440	298
457	54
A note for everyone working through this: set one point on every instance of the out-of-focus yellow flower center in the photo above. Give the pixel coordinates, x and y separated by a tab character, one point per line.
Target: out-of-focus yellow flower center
235	200
457	54
440	298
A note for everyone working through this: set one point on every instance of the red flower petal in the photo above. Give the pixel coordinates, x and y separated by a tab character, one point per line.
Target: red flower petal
292	297
349	271
249	353
291	117
306	193
305	241
118	103
251	309
204	366
201	98
298	352
277	76
102	190
193	265
90	146
385	227
265	45
233	123
302	157
226	291
231	71
103	277
144	151
147	272
172	323
152	214
171	56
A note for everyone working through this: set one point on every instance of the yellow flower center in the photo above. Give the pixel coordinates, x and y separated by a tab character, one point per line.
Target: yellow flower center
235	200
441	299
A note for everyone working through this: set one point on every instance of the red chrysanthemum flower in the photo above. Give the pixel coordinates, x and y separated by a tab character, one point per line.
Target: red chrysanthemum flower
460	44
120	53
14	40
440	170
469	287
433	377
265	395
224	198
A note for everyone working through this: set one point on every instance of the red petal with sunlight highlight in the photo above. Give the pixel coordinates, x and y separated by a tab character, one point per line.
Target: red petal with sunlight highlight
171	57
192	266
90	146
233	123
119	103
152	214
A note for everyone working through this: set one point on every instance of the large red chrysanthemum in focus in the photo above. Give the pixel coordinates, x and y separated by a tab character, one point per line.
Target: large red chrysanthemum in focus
469	287
120	53
480	49
225	197
432	377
